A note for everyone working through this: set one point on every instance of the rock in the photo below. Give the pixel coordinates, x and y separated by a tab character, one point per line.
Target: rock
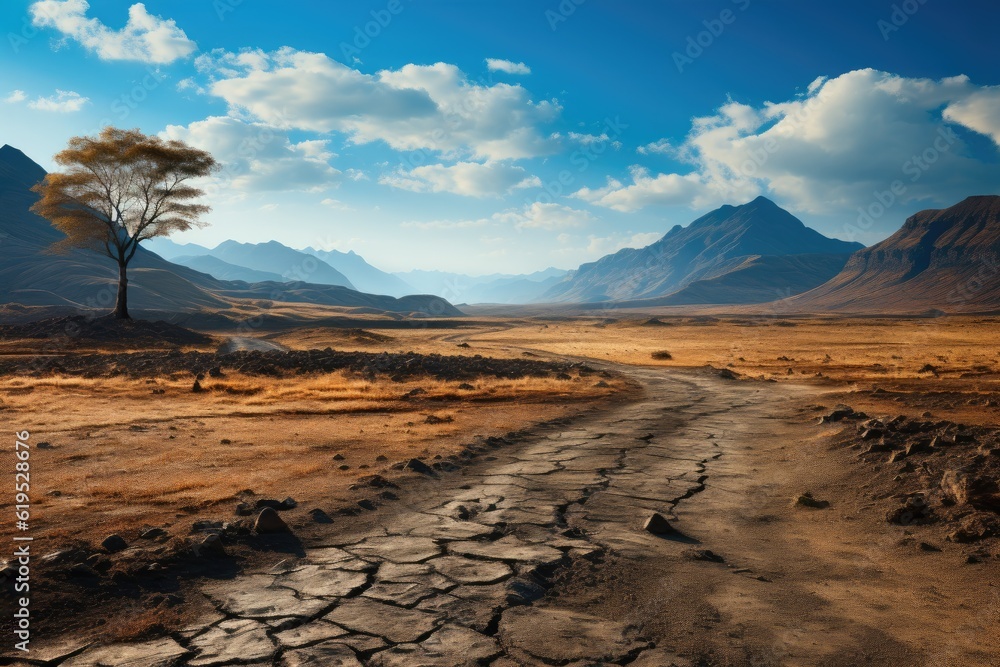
211	545
268	502
807	500
114	543
196	387
338	457
343	467
381	457
288	504
216	372
915	510
434	419
153	534
418	466
955	486
465	386
376	482
268	521
244	509
705	555
975	528
44	445
82	570
657	525
319	516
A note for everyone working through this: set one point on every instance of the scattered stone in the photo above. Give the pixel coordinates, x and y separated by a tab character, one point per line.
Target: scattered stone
434	419
319	516
706	555
44	445
196	387
268	521
381	457
225	441
974	528
418	466
288	504
926	546
657	525
114	543
344	467
153	534
268	502
338	457
465	386
244	509
807	500
211	545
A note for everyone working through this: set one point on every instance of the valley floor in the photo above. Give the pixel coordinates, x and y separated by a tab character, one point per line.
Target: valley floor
531	550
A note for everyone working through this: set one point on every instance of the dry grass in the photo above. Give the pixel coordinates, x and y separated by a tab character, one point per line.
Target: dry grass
121	457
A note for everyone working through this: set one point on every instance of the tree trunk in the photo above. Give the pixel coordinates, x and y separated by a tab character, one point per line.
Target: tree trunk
121	304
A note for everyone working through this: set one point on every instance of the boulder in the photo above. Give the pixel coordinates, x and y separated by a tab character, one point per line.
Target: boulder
268	521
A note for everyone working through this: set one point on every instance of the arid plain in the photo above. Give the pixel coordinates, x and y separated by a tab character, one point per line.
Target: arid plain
796	540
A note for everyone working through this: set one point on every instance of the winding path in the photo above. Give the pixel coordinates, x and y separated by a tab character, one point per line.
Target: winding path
493	564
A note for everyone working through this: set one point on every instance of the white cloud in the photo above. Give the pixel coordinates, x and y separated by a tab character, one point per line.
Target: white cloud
145	38
64	101
507	66
594	139
544	216
15	97
660	147
417	107
356	174
645	190
258	157
470	179
831	149
598	246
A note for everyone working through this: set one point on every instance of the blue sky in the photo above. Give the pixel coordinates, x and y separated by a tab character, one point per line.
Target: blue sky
511	136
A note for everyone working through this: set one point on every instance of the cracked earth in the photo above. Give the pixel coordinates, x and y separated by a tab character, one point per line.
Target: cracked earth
534	554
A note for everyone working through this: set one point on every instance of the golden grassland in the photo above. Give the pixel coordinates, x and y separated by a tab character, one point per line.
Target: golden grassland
120	457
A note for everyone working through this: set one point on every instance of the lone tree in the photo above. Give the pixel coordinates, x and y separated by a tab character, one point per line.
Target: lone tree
119	189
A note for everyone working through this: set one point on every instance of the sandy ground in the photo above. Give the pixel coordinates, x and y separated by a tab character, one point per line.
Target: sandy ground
838	586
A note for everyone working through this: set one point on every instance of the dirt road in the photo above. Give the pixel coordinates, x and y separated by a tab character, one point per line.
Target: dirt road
535	554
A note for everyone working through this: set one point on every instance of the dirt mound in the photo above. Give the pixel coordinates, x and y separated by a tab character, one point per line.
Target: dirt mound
278	363
106	329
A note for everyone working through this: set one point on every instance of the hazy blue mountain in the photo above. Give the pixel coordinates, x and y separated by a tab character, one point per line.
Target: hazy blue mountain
494	288
83	279
273	257
217	268
363	275
168	249
711	247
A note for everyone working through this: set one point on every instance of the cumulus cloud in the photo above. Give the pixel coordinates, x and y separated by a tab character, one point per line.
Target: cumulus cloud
544	216
417	107
594	139
258	157
507	66
645	190
64	101
470	179
145	38
830	149
15	97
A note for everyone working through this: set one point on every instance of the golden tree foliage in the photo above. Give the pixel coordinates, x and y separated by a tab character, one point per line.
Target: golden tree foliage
121	188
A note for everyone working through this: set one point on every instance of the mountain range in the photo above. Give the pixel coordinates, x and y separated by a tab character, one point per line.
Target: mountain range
32	276
753	253
946	260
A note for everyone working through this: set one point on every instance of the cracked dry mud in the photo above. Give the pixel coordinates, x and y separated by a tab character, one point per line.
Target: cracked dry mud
417	586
